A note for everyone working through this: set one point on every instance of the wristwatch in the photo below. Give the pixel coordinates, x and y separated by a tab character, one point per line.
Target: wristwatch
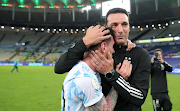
110	74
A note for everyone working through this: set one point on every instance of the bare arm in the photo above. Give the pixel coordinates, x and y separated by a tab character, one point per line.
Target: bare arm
105	104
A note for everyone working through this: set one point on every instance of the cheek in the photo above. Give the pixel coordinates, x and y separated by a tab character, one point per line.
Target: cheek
126	30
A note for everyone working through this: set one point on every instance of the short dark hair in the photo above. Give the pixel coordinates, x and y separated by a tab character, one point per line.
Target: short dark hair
116	10
111	32
158	49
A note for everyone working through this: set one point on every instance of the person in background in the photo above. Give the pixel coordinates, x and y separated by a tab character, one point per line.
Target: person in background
159	88
81	87
15	66
128	71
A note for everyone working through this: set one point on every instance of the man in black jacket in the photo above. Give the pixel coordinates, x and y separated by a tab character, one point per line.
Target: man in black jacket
130	81
159	90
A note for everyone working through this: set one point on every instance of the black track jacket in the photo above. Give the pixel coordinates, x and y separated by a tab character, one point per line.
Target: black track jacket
132	92
158	77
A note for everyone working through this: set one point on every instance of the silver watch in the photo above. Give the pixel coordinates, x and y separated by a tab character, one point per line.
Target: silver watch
110	74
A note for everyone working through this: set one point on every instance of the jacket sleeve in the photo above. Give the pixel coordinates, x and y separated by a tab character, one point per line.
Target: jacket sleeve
168	67
136	90
70	58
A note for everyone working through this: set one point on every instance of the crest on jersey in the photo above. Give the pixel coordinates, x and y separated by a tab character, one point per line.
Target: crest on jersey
95	84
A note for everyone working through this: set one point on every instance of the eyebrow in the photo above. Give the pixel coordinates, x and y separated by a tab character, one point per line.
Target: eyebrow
121	23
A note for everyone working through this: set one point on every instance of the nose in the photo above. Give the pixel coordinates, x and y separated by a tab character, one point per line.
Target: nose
119	29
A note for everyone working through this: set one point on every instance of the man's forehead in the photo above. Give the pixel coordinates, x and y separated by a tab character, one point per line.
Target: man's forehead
117	17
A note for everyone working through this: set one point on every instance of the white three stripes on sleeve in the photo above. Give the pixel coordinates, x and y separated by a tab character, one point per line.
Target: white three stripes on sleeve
167	64
133	92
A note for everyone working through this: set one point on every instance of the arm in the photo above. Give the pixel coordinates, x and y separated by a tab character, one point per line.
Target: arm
70	58
168	67
105	104
94	35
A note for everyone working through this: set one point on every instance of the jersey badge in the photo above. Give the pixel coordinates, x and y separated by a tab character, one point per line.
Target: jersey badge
95	84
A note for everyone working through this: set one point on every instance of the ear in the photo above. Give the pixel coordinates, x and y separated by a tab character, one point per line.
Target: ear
103	47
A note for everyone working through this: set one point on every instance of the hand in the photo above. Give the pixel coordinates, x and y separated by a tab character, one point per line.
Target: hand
152	59
130	45
94	35
125	70
160	59
105	63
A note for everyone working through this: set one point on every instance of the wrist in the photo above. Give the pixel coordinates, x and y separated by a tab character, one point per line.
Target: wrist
110	74
86	42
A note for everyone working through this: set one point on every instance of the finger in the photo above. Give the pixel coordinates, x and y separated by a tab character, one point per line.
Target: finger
105	31
91	27
127	66
118	67
124	64
97	26
134	45
100	56
130	69
109	55
95	55
102	28
93	59
93	63
106	37
128	48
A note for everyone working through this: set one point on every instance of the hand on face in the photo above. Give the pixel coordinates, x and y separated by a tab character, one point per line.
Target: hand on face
94	35
125	70
105	63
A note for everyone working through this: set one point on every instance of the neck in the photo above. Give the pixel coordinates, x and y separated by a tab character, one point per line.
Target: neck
87	60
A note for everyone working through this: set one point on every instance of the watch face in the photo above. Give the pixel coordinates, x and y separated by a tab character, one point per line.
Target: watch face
109	75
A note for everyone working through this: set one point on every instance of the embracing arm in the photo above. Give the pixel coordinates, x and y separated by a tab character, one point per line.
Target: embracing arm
105	104
94	35
70	58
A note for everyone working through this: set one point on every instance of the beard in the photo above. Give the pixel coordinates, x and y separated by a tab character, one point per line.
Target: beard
121	40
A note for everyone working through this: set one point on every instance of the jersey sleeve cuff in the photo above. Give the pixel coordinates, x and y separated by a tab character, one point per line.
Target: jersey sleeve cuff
94	101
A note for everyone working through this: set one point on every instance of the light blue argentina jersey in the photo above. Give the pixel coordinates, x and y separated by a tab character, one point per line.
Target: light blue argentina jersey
81	88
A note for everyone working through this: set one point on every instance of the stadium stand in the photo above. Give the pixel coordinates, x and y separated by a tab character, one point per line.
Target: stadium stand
39	34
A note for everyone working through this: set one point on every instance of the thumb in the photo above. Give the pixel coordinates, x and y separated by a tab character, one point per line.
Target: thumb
118	66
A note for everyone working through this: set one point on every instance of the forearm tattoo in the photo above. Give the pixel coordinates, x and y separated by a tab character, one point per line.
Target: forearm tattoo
105	104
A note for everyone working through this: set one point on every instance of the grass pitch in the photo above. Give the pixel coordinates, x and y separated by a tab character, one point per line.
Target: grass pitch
38	88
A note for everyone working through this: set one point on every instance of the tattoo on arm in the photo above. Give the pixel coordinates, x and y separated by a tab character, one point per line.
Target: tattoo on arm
111	98
105	104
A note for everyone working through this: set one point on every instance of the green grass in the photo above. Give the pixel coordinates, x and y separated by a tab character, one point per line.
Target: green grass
33	89
174	93
39	89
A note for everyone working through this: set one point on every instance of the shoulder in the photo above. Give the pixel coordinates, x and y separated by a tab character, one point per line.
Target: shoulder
140	50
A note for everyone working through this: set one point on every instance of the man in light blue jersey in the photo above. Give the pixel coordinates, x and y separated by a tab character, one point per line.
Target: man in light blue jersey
15	66
82	89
